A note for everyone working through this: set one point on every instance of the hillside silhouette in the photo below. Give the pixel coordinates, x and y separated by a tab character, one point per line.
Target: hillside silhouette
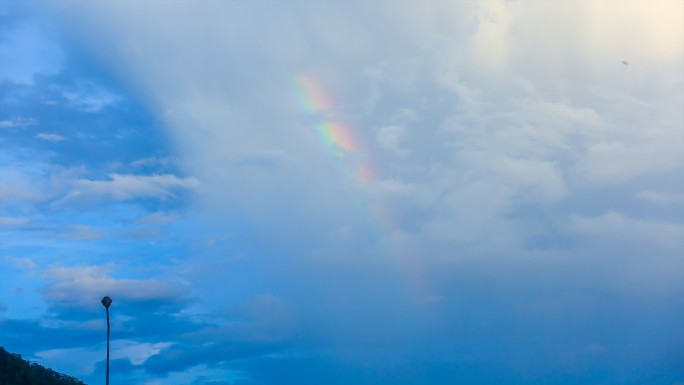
14	370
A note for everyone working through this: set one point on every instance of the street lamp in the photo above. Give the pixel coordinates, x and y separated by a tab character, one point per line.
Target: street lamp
106	301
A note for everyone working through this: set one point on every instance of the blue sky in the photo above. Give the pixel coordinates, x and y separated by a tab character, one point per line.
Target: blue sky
344	192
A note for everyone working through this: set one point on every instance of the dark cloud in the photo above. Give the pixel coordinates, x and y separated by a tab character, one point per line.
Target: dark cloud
204	381
261	326
121	367
185	356
30	336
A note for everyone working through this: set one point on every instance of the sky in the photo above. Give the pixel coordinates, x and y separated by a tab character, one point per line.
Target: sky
344	193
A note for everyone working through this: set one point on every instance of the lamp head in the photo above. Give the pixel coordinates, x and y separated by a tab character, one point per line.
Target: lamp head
106	301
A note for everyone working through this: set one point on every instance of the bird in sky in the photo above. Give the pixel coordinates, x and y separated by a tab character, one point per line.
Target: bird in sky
625	62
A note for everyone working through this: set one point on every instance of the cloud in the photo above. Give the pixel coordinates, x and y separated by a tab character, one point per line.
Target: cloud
614	228
122	187
137	353
259	326
21	263
77	362
152	161
23	180
661	198
81	232
17	122
89	97
260	159
50	137
26	50
85	285
389	137
513	121
13	221
46	334
184	357
528	132
159	217
619	160
634	255
502	127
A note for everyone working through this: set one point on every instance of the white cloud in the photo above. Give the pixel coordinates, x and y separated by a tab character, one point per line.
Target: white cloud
89	97
616	230
19	185
50	137
153	161
501	115
123	187
83	285
159	217
641	151
136	352
21	263
389	137
661	197
13	221
82	232
260	158
629	254
17	122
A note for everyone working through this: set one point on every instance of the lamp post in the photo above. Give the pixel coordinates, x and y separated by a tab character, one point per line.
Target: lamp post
106	301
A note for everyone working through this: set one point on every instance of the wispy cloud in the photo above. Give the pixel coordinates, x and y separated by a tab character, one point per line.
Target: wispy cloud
82	232
50	137
122	187
20	186
152	161
159	217
89	97
21	263
14	221
17	122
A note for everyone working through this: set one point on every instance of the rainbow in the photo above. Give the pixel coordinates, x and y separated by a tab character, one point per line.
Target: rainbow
312	98
341	142
337	136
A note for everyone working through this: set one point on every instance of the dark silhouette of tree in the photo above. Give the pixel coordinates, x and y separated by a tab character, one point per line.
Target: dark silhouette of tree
14	370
